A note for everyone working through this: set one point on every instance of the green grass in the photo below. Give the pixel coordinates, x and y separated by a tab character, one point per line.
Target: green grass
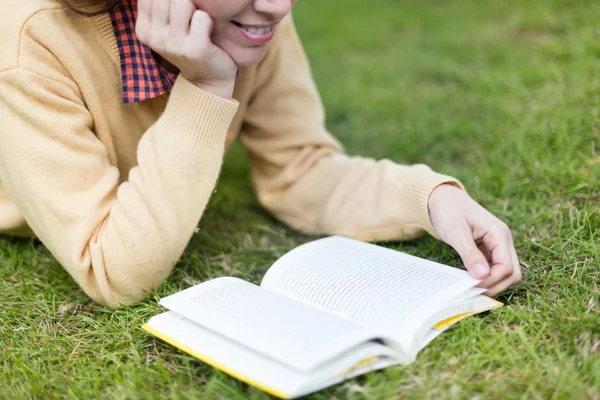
504	95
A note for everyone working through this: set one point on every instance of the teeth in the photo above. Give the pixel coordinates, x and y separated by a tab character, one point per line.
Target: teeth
257	31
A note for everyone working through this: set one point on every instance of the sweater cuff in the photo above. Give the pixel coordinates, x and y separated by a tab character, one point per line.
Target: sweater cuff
414	196
201	116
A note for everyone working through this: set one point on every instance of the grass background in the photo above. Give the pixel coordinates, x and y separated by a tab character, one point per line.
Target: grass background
503	94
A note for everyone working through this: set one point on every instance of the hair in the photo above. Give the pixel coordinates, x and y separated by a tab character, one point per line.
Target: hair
82	6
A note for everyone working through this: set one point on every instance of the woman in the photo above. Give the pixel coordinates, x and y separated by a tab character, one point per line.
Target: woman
110	149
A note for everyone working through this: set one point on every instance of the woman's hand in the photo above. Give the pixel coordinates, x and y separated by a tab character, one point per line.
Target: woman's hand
483	241
180	33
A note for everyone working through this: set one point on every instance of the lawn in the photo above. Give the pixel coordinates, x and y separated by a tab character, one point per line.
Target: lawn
502	94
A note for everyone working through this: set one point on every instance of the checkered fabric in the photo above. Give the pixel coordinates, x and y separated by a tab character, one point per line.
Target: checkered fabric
143	78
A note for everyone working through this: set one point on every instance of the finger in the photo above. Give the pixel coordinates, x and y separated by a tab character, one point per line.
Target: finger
500	287
518	274
180	17
474	260
514	278
159	14
504	284
484	251
144	8
201	25
498	241
142	23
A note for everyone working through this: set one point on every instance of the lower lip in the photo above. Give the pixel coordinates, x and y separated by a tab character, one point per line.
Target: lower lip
257	38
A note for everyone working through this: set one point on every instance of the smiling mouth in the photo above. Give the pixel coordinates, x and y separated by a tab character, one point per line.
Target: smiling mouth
255	30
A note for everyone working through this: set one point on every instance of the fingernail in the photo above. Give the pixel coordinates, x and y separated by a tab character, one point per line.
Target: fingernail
481	270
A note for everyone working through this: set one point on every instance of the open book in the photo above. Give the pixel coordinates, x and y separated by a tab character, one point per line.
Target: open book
326	311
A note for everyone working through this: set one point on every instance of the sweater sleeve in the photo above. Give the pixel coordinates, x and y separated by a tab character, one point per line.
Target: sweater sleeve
118	240
300	171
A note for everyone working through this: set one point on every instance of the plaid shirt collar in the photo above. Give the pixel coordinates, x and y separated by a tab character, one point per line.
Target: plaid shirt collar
142	77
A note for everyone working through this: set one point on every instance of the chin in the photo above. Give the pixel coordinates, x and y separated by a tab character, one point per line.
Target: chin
247	56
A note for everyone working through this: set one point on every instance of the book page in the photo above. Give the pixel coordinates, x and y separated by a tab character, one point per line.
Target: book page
255	369
473	292
286	330
450	315
374	286
222	353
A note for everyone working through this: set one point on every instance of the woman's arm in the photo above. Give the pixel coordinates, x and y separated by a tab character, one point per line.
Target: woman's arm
117	240
302	176
300	171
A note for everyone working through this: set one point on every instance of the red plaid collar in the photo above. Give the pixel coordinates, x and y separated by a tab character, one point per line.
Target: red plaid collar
143	78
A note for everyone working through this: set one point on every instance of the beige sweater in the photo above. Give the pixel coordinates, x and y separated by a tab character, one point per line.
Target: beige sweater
116	191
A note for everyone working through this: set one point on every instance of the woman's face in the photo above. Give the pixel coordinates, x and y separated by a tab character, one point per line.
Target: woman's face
244	27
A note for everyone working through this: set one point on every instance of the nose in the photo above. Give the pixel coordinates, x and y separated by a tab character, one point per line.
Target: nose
276	8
